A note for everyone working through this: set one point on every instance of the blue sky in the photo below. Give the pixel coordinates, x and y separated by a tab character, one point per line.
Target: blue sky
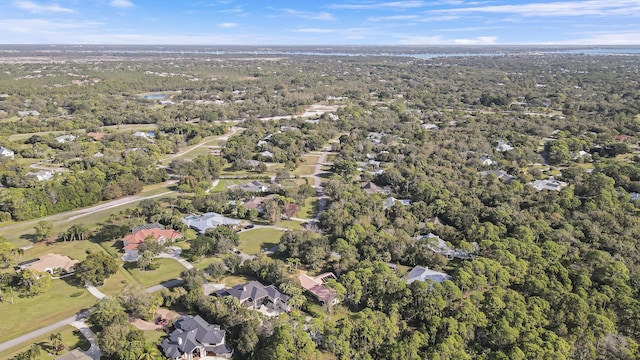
309	22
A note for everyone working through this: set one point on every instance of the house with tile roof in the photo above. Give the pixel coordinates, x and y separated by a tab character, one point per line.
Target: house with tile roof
49	263
315	286
131	243
195	338
208	220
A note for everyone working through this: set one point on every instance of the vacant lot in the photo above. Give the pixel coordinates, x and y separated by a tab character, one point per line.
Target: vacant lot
71	338
169	269
27	314
253	241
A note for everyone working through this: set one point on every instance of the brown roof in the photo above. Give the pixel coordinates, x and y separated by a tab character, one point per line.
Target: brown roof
96	136
315	285
133	241
50	262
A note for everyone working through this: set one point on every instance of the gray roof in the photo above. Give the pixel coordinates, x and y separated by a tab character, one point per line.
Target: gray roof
74	354
194	332
147	227
253	290
208	221
420	273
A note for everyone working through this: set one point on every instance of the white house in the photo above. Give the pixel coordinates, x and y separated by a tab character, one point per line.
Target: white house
549	184
42	175
420	273
7	152
65	138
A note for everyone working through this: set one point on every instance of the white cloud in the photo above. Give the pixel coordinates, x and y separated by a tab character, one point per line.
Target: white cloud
309	15
606	38
392	5
236	10
439	40
39	9
227	25
40	26
567	8
315	30
121	3
394	18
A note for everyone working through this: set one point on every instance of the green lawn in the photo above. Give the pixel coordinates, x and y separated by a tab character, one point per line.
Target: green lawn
27	314
169	269
304	170
290	224
71	338
253	241
231	281
117	282
77	250
309	209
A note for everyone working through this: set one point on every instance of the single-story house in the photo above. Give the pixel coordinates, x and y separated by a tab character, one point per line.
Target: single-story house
193	338
65	138
208	220
548	184
132	242
430	126
257	202
266	154
437	245
7	152
42	175
390	201
254	295
145	134
500	174
49	263
420	273
28	113
74	354
315	286
504	146
371	188
486	161
253	186
634	196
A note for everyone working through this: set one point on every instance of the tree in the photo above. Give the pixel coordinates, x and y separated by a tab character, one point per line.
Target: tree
44	229
108	310
145	260
272	211
96	268
6	249
193	279
216	269
233	262
137	301
32	282
56	342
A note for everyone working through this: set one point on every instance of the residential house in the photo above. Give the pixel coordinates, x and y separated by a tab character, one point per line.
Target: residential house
430	126
420	273
634	196
390	201
195	338
65	138
7	152
144	134
49	263
254	186
208	220
266	154
439	246
486	161
548	184
74	354
28	113
504	146
500	174
257	203
372	188
96	136
131	243
315	286
256	296
42	175
581	154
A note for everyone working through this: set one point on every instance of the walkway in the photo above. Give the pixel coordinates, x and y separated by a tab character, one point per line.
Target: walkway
94	350
42	331
173	252
95	292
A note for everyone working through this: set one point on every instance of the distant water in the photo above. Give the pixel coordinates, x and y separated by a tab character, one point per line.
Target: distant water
626	51
154	96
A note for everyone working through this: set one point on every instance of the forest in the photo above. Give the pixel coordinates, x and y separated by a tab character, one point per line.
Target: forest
527	166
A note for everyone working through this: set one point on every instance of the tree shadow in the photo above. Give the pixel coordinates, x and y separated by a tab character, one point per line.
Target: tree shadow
30	237
82	342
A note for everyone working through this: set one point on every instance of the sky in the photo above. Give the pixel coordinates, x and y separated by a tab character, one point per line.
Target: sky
318	22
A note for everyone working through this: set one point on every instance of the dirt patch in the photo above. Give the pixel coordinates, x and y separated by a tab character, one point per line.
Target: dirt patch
149	325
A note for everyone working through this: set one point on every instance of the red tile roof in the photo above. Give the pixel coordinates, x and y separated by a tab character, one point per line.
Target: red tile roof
133	241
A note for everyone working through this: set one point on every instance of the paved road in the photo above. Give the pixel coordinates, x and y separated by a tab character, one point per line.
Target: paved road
173	252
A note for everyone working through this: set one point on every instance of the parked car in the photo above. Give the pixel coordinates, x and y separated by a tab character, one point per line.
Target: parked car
250	226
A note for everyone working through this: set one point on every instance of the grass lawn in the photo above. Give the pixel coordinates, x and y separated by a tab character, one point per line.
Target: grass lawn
71	338
169	269
309	209
304	170
204	262
253	241
154	336
234	280
223	184
290	224
117	282
77	250
27	314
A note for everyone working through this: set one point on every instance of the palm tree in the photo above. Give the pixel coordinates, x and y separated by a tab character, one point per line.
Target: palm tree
56	339
35	351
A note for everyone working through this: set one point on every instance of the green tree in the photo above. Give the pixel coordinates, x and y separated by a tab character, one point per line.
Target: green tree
96	268
44	230
56	342
32	283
